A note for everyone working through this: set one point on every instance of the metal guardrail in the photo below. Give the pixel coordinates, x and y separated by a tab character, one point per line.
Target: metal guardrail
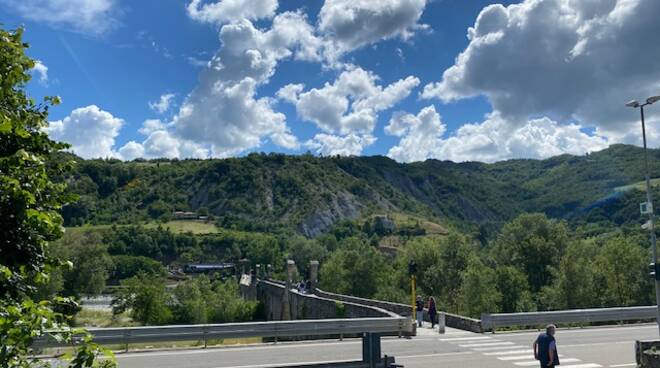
370	329
490	322
319	327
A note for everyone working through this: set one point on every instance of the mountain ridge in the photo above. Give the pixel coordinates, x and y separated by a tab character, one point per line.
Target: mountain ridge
310	194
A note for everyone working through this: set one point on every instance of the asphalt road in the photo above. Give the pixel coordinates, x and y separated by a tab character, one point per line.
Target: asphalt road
579	348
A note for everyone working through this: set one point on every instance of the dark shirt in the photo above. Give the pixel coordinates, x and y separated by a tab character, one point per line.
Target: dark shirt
432	309
546	343
420	305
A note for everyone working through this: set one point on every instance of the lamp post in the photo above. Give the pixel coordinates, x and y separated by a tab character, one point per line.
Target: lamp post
647	208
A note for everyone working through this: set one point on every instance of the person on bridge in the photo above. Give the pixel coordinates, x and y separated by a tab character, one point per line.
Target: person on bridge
432	311
419	307
545	348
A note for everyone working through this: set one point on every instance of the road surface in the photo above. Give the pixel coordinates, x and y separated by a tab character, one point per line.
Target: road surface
579	348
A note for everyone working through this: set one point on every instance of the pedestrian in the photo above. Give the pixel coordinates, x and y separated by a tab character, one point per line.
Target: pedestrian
545	348
433	312
419	304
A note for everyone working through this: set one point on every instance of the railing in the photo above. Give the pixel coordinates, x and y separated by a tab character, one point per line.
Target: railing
490	322
370	328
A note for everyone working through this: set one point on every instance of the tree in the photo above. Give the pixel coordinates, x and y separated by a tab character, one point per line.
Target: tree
29	204
575	281
478	293
303	250
355	269
533	244
623	266
91	263
146	298
512	284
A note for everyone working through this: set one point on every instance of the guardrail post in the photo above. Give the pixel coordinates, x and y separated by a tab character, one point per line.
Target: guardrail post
206	331
441	322
127	335
371	349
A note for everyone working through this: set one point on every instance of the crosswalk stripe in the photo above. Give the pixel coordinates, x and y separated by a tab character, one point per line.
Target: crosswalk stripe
519	357
586	365
451	339
510	352
485	344
536	362
493	348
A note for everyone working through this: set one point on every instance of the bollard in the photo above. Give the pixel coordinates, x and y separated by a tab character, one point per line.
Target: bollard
441	322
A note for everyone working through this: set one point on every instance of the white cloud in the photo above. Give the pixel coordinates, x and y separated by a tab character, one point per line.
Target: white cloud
151	125
350	104
494	139
223	111
330	145
574	61
131	151
90	130
350	24
163	104
420	134
227	11
87	16
41	69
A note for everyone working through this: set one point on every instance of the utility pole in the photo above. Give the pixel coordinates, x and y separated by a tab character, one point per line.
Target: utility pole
647	208
412	271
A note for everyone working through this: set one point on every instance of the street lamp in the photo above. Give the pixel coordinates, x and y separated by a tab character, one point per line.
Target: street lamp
647	208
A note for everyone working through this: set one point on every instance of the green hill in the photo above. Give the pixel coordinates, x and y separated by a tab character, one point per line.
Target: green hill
269	192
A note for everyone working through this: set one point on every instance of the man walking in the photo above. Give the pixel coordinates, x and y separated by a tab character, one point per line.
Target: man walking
419	304
545	348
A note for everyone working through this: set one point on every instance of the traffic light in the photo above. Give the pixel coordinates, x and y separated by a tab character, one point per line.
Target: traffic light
412	268
654	270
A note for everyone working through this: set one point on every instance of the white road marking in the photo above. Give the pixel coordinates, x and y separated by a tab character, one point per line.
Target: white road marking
520	357
452	339
510	352
485	344
516	357
586	365
433	355
493	348
536	362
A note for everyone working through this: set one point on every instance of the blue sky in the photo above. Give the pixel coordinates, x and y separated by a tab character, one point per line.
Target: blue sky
520	89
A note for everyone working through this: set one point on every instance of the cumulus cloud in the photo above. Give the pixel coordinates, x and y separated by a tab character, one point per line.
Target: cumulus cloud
223	111
90	131
492	140
151	125
350	24
131	151
573	61
420	134
42	70
87	16
226	11
348	145
163	104
350	104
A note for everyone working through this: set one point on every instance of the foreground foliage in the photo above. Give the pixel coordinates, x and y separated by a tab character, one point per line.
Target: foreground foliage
29	205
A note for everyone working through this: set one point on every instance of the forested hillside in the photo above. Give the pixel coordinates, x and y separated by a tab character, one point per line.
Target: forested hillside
310	194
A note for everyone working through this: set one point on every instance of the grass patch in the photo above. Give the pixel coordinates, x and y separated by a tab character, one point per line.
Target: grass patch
177	226
184	226
102	318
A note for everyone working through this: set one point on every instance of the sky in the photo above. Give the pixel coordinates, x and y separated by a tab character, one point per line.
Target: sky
410	79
